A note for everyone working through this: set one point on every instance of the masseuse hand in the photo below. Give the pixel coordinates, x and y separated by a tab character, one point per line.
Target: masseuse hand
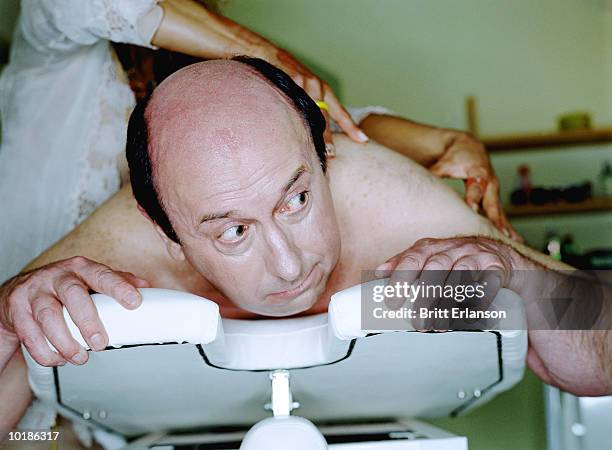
467	159
319	90
31	309
431	260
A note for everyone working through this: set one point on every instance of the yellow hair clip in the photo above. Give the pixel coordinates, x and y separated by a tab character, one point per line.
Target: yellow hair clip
321	104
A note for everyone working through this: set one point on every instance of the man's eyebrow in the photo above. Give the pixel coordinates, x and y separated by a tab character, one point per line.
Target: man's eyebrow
297	174
224	215
215	216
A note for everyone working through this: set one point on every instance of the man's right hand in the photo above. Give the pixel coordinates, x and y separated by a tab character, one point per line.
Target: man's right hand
31	309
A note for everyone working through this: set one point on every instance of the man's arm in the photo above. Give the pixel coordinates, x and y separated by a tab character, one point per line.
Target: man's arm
15	395
117	235
569	314
577	355
100	254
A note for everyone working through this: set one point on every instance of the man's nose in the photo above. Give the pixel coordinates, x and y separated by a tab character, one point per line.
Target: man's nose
283	257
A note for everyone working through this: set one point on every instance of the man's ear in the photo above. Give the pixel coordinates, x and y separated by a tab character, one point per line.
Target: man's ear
174	249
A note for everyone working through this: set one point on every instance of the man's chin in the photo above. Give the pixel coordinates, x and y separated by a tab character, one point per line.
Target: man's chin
290	308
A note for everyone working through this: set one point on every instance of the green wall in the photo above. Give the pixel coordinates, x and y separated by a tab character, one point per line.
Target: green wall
526	62
514	420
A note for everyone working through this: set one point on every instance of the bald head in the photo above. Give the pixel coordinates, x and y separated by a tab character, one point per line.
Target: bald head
202	105
209	113
212	111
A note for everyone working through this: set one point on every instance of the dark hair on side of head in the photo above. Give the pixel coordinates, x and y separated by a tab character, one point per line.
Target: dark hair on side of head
137	145
141	170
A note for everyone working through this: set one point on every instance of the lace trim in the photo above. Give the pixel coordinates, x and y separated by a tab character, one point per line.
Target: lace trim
124	20
98	167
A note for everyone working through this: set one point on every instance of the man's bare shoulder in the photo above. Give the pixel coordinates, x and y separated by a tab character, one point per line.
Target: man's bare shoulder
385	202
384	198
118	235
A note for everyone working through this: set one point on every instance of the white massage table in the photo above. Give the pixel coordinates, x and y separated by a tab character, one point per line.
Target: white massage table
177	376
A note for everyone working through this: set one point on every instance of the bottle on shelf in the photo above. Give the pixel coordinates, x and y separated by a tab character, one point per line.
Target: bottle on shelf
605	180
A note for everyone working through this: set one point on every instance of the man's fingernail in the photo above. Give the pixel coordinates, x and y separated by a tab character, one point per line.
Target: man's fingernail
474	207
362	136
80	357
383	267
132	299
97	341
383	271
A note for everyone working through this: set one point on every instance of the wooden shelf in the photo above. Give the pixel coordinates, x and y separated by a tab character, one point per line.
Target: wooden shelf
543	140
591	205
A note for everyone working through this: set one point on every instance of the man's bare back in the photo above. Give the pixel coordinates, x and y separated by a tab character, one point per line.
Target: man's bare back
242	198
384	202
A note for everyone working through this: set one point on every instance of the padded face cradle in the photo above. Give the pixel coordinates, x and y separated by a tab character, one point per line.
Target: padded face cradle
219	376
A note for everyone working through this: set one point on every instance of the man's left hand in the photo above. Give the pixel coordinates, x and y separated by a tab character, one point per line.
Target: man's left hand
438	262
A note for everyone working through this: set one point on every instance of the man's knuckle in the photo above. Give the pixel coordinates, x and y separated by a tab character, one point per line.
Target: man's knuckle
438	261
490	261
410	260
46	314
473	247
88	325
22	289
424	242
15	300
68	286
106	275
77	261
467	263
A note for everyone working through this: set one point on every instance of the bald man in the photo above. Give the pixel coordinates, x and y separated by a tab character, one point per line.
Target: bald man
236	202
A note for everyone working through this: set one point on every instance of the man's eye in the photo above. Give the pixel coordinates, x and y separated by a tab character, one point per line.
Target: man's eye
234	233
297	201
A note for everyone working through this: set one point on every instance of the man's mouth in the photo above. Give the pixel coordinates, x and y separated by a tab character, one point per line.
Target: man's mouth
296	291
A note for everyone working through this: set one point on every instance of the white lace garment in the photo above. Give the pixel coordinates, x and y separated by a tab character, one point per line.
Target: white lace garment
64	102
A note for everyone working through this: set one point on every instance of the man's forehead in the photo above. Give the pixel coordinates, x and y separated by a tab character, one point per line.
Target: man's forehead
221	133
209	95
219	108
